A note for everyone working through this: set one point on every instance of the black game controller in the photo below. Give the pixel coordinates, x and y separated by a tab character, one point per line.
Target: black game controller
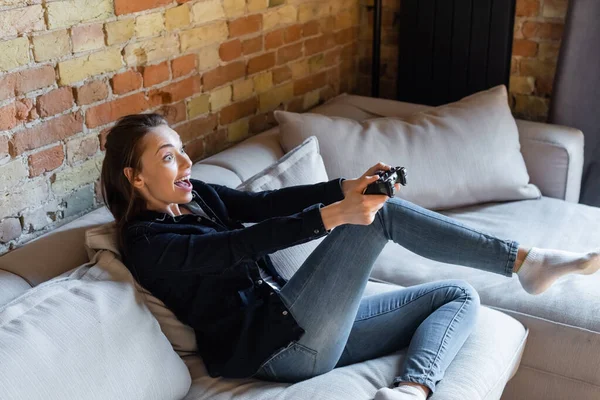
387	180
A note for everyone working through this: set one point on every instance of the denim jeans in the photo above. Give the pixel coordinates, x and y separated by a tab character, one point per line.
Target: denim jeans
433	319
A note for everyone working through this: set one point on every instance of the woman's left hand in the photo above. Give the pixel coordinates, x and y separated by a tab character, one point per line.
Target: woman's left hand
350	184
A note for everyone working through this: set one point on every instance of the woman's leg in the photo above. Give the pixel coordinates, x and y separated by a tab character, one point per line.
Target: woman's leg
433	320
325	293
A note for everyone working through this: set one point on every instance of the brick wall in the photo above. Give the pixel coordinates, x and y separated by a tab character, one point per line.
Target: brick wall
539	28
216	69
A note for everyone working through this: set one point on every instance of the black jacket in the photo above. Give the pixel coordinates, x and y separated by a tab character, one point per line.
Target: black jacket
206	270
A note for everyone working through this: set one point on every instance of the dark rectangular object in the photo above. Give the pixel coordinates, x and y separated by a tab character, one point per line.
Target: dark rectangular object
449	49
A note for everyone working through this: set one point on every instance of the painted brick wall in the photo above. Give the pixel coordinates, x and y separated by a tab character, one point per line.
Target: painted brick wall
216	69
539	26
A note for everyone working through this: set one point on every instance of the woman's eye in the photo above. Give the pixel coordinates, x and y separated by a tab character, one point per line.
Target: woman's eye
168	157
182	150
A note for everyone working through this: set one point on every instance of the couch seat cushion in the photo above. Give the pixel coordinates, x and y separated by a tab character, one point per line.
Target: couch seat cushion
565	320
476	372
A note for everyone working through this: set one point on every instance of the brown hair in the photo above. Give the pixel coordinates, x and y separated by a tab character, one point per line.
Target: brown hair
123	149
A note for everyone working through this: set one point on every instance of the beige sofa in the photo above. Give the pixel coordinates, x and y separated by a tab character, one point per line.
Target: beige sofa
547	344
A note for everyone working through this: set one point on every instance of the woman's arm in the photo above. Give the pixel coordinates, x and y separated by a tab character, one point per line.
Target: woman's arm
161	250
258	206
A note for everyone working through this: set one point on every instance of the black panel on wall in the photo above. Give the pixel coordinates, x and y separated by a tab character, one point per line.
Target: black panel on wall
449	49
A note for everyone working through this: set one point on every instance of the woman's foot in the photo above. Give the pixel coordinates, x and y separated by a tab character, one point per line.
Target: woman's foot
541	267
402	392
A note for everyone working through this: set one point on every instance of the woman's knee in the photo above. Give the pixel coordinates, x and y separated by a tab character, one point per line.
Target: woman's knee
463	291
467	295
395	204
397	210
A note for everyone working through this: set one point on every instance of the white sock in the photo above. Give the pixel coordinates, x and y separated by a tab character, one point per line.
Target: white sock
542	267
402	392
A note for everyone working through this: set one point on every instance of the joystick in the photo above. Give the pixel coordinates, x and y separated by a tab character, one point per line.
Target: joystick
387	180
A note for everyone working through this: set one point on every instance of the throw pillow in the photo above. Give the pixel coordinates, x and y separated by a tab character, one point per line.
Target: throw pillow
458	154
81	337
302	165
102	248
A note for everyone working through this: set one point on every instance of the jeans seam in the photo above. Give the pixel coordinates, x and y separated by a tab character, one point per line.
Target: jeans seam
437	356
512	256
425	381
265	364
384	227
305	283
407	303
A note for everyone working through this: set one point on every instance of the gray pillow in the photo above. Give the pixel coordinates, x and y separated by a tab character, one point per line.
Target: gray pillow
103	251
80	336
302	165
458	154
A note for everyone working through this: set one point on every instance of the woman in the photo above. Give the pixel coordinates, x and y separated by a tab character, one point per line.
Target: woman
184	241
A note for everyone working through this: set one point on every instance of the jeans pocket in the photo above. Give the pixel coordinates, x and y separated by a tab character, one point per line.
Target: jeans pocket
292	364
265	372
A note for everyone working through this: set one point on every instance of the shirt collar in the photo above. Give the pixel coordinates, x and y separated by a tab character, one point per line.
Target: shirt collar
151	215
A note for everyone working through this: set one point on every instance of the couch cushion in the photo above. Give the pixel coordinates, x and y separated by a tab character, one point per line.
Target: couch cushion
463	153
11	286
300	166
103	250
214	174
80	337
562	327
250	156
476	373
553	154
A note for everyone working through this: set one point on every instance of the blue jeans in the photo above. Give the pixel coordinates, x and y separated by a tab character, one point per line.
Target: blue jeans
432	319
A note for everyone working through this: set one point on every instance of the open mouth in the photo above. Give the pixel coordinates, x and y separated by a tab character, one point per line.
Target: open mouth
184	183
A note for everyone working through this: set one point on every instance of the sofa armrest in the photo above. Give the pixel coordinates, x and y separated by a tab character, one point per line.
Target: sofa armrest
554	158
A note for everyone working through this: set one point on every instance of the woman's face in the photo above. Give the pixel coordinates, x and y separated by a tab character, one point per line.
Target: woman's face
165	170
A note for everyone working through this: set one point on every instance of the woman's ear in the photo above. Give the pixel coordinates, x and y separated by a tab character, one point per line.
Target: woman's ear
133	178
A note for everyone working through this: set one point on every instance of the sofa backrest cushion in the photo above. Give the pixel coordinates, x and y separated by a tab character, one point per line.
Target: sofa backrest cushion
249	157
459	154
215	174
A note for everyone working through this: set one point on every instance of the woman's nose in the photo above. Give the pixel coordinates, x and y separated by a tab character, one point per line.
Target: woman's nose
185	160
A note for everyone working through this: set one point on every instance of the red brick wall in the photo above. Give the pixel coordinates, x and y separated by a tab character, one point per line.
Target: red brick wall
215	68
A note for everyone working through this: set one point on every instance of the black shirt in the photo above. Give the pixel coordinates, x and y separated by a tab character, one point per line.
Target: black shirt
206	269
195	208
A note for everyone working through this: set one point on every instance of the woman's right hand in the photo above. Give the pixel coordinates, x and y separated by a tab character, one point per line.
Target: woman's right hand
356	208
